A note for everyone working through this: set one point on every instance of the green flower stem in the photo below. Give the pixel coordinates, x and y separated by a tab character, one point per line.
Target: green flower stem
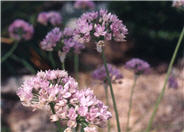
76	65
63	65
165	83
52	60
82	129
130	102
111	90
107	103
60	129
9	53
24	62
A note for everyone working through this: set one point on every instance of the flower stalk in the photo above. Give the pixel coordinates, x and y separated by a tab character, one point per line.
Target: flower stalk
9	53
166	80
107	103
130	102
52	59
57	122
24	62
76	65
111	90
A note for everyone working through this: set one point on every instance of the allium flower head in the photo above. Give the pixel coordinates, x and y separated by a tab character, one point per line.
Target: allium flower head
178	3
69	42
90	129
100	73
172	82
20	29
84	4
92	109
99	25
51	17
51	39
69	103
137	65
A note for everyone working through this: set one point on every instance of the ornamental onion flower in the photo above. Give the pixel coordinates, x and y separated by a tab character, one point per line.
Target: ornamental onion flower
84	4
51	39
178	3
77	107
51	17
20	29
69	42
100	74
137	65
99	26
172	82
90	129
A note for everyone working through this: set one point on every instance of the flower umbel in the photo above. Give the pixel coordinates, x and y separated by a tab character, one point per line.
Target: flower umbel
137	65
70	104
69	42
51	39
84	4
100	73
172	82
99	25
20	29
51	17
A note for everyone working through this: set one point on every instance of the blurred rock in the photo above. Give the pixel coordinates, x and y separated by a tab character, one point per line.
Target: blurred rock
13	83
22	119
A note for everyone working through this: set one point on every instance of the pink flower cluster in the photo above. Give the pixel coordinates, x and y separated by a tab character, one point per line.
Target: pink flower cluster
55	36
178	3
69	42
77	107
51	17
138	66
84	4
100	73
20	29
172	82
99	25
51	39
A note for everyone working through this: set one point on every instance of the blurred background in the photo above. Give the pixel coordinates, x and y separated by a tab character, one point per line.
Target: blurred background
153	31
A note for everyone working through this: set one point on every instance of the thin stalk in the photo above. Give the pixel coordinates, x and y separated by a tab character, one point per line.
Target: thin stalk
52	60
63	65
77	128
165	83
57	122
9	53
111	90
82	129
24	62
76	65
107	103
130	103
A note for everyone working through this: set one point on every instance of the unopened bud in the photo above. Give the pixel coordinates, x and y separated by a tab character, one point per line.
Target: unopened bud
99	46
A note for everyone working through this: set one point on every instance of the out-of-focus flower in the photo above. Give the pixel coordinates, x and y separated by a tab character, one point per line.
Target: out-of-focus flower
99	26
178	3
90	129
68	129
62	56
71	104
100	73
20	29
51	39
51	17
84	4
69	42
137	65
172	82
